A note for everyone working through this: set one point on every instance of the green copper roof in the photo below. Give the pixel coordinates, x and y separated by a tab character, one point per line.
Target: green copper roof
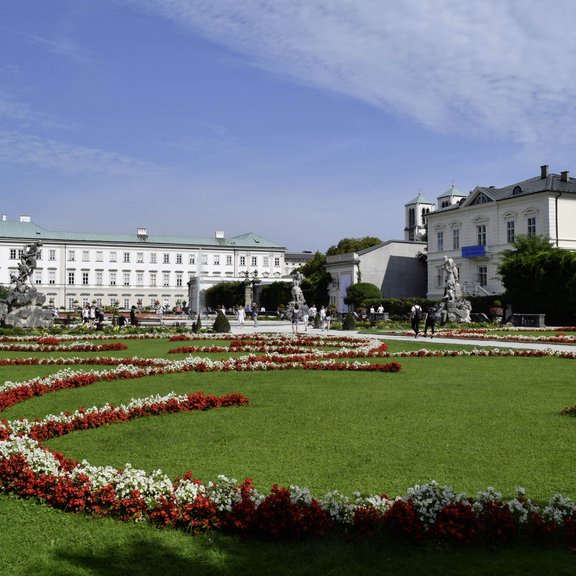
419	200
28	231
452	191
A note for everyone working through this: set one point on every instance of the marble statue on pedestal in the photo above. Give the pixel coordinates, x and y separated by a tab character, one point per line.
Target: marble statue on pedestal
23	305
456	308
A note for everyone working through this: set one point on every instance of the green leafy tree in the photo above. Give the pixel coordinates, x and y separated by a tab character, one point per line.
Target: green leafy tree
316	280
540	279
274	295
227	294
361	294
347	245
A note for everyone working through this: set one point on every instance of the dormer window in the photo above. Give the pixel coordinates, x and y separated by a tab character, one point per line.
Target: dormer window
481	199
517	190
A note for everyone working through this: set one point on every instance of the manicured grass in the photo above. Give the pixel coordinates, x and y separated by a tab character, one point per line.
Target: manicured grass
467	422
45	542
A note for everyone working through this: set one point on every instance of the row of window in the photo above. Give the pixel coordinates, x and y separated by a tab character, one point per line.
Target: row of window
16	253
83	277
481	234
113	276
481	276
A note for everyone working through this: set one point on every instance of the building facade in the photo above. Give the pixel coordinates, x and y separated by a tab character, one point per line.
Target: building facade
397	267
475	230
123	270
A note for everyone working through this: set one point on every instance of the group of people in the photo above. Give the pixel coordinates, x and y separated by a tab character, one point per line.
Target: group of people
430	318
92	315
249	310
307	314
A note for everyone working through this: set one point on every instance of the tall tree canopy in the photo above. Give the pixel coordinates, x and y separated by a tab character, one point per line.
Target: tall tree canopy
347	245
540	279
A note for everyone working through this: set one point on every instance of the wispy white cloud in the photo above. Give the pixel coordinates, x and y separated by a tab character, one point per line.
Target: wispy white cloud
501	69
23	116
19	148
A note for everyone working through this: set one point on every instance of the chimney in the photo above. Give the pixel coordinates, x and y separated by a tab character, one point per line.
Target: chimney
544	171
564	176
219	234
142	233
25	219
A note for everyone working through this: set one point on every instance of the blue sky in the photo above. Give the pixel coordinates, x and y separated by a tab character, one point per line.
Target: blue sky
304	121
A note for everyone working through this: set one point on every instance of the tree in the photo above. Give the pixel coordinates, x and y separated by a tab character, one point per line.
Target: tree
347	245
540	279
360	294
227	294
274	295
316	280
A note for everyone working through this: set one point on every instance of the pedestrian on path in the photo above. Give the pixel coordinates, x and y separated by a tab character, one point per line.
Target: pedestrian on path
240	315
415	318
295	318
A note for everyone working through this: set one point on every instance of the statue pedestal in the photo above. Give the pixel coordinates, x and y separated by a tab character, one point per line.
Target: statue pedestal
458	310
29	317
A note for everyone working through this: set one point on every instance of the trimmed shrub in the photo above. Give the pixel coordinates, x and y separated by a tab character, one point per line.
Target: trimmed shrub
349	322
221	324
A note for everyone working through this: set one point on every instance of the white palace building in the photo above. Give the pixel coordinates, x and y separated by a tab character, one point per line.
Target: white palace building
123	270
476	229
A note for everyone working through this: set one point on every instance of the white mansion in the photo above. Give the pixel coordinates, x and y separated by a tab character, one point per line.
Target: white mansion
475	229
77	268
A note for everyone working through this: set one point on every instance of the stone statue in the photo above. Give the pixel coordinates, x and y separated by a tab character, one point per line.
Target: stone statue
23	305
456	308
297	293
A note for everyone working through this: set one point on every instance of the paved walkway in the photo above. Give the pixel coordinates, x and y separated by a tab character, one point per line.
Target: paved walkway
285	327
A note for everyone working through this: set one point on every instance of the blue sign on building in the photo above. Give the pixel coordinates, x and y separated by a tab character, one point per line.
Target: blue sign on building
474	251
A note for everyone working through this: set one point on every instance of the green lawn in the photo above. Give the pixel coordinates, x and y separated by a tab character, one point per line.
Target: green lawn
468	422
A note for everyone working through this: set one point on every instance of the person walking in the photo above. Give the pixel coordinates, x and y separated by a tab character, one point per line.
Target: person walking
312	315
133	318
328	318
322	317
430	322
255	314
305	316
295	318
240	315
415	318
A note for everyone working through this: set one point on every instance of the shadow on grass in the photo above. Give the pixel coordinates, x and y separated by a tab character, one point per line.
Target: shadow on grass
230	557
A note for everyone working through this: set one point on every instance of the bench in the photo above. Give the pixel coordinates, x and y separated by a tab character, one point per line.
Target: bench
149	322
378	317
530	320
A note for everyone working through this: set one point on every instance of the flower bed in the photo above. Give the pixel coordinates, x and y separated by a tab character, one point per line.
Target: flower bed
425	512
